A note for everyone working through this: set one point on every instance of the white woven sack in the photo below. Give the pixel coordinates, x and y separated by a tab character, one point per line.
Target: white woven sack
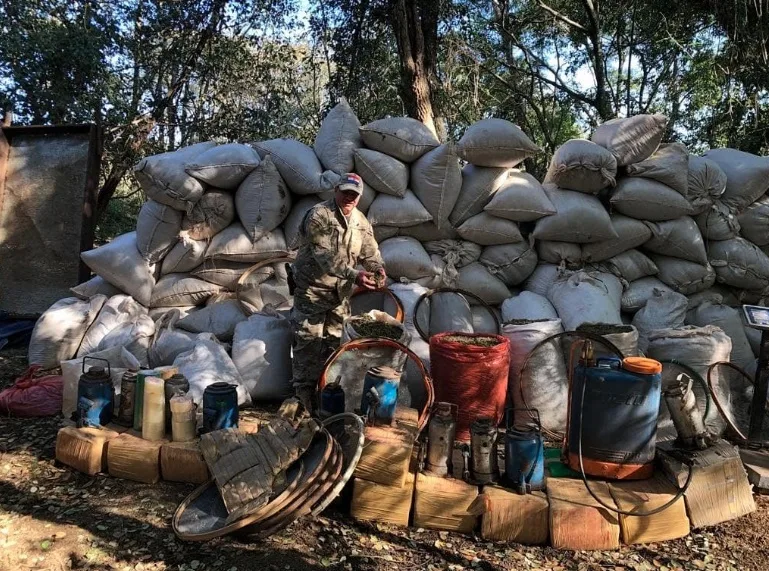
366	199
582	166
647	199
404	138
120	263
631	233
97	285
484	320
669	165
511	263
476	279
382	233
711	295
115	311
261	351
730	321
718	222
219	318
436	180
225	273
663	310
495	143
682	275
488	230
298	166
707	182
429	231
169	341
543	276
754	222
450	312
520	198
157	313
559	253
677	238
458	253
262	200
740	264
178	290
630	266
584	297
478	185
293	223
157	230
698	348
387	210
60	329
579	218
134	336
208	363
337	138
528	305
163	178
213	213
224	166
187	255
233	243
640	291
747	176
382	172
404	257
633	139
543	384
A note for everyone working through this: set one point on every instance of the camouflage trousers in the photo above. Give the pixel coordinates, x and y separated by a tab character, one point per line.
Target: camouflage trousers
317	333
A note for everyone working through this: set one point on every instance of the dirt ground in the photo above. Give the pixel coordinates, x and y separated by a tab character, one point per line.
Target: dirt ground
54	518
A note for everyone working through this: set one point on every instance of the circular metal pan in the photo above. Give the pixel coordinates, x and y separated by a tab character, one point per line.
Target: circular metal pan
302	504
347	429
202	515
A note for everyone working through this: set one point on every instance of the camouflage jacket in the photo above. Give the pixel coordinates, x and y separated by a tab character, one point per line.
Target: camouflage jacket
331	248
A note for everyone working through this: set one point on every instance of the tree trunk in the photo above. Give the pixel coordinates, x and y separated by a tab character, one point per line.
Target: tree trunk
415	25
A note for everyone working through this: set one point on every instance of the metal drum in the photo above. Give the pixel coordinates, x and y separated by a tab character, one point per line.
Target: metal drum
125	415
220	407
484	466
441	433
613	413
524	451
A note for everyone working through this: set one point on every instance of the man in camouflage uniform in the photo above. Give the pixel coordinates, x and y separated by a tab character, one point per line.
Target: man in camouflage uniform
336	237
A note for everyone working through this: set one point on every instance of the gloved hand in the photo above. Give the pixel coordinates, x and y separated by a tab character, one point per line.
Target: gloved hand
365	280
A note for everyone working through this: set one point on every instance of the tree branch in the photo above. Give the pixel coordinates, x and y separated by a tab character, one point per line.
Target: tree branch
563	18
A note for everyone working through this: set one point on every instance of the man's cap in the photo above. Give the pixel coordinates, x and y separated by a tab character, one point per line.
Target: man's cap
351	181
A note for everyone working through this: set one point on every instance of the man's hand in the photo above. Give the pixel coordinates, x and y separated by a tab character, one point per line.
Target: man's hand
365	280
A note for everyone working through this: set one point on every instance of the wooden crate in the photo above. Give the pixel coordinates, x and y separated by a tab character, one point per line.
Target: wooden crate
577	521
376	502
719	490
183	462
443	503
386	456
84	449
644	496
508	516
132	458
756	464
